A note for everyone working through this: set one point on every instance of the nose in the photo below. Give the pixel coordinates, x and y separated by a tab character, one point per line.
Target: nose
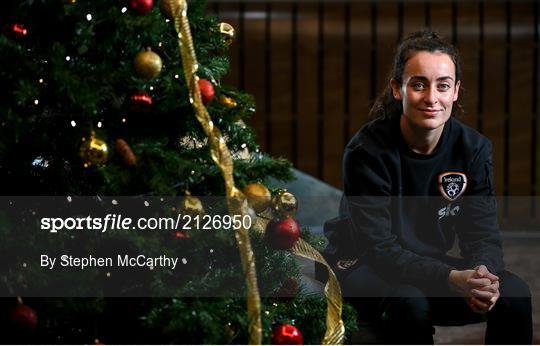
430	97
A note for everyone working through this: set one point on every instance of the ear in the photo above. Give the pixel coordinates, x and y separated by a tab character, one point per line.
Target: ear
396	89
456	94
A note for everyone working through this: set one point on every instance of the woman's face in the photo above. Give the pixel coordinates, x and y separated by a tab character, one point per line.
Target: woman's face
428	91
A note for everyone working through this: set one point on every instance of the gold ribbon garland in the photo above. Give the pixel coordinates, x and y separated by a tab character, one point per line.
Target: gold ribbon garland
335	329
222	157
237	203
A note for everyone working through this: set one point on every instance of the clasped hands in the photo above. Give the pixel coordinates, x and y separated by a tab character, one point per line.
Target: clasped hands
478	286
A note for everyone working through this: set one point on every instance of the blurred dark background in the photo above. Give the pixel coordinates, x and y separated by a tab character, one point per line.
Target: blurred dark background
316	66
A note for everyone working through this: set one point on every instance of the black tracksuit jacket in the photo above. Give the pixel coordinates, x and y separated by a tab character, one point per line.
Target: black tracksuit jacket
394	214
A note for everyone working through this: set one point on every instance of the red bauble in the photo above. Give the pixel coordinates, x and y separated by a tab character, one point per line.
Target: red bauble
24	317
140	101
282	234
16	31
286	334
180	235
207	90
141	6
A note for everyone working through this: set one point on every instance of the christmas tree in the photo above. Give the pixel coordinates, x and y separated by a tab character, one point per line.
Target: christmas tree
95	102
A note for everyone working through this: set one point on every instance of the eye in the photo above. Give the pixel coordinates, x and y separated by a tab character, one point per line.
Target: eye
444	86
418	86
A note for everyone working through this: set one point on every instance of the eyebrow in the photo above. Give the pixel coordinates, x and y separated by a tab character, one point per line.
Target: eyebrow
438	79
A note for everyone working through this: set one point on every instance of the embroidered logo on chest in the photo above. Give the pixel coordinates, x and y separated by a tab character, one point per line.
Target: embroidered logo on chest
452	185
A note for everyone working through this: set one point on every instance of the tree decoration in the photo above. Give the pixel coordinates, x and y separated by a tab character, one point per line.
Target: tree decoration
181	235
286	334
227	32
123	149
169	7
207	91
39	165
16	30
229	102
147	64
282	234
140	102
192	205
258	196
141	6
23	316
284	204
237	205
221	155
101	97
93	151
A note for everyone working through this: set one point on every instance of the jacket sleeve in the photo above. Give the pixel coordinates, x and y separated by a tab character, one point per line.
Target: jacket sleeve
367	185
478	228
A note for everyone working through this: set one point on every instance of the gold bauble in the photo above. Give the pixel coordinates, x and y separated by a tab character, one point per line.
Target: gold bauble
169	7
284	204
227	32
227	101
192	206
93	151
147	64
258	196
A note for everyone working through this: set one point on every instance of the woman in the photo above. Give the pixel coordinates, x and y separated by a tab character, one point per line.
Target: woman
414	179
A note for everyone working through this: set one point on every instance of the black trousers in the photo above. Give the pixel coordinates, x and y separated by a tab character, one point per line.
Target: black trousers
407	315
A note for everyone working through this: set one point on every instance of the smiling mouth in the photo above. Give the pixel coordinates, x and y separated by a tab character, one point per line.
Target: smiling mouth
430	111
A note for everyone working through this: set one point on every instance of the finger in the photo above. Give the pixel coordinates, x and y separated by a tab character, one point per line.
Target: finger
492	277
480	305
474	307
483	272
478	282
493	301
483	295
493	288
